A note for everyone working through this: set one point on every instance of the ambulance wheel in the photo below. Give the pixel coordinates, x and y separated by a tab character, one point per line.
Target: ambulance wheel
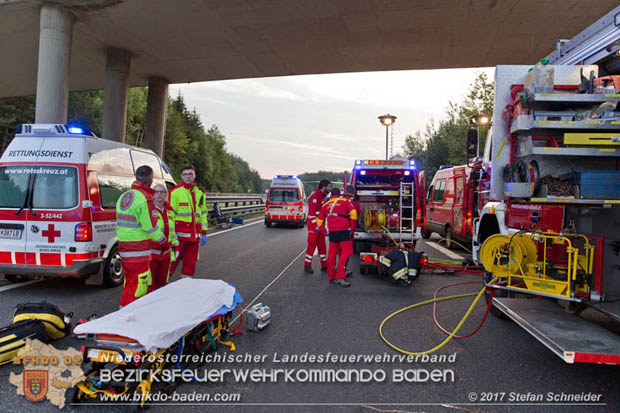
14	278
113	269
426	234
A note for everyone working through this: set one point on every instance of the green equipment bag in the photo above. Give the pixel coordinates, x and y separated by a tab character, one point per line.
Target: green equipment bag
56	323
13	338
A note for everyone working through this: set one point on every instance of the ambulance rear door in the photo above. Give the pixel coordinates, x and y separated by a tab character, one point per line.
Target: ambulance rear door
59	217
15	181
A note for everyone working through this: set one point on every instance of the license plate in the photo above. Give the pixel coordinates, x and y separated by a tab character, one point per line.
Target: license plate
10	233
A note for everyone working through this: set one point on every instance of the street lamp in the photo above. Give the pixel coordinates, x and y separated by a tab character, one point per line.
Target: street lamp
479	120
387	120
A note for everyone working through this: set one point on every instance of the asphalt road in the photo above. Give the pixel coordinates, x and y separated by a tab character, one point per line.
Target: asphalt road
311	316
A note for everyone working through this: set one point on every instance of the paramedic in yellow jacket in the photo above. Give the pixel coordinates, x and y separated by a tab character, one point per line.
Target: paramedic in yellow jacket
190	222
136	228
163	255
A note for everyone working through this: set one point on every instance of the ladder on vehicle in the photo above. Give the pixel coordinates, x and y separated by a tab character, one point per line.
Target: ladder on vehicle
407	212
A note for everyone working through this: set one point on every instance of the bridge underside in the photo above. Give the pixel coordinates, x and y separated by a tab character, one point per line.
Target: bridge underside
189	41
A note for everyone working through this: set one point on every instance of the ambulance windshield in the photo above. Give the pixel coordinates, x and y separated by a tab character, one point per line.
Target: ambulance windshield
13	186
283	195
53	187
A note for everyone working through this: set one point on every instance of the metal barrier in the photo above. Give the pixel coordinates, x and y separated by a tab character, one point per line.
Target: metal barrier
235	204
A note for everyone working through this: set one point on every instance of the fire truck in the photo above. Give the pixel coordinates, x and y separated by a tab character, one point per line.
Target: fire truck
389	198
548	234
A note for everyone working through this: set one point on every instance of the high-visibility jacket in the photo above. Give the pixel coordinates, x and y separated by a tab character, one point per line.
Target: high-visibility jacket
165	221
314	207
136	227
190	206
339	215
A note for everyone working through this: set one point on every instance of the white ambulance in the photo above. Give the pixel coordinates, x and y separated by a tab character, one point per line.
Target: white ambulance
58	190
285	201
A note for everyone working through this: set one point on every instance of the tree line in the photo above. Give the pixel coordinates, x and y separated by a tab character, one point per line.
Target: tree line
443	142
186	139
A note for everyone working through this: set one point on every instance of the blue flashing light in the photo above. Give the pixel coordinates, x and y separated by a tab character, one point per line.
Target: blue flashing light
276	177
358	162
293	176
75	130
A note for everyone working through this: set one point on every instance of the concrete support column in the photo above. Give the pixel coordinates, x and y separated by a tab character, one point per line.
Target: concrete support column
156	108
55	36
115	89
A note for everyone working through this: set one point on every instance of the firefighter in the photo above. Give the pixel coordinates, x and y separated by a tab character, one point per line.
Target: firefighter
163	255
350	191
316	239
340	219
136	229
190	222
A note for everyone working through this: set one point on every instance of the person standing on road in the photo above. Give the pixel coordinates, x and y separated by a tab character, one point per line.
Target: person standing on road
163	255
350	191
340	218
136	228
316	239
190	222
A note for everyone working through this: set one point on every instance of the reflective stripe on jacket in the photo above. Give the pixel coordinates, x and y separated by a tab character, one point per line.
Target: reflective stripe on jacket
339	213
165	221
314	206
136	226
190	206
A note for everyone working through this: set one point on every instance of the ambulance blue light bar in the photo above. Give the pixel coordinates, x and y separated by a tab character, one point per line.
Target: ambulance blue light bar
76	130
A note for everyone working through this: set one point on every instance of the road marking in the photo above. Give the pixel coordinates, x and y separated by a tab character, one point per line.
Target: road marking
233	229
444	250
17	285
270	284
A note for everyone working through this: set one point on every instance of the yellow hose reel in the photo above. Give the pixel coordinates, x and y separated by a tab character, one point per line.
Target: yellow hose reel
517	259
374	219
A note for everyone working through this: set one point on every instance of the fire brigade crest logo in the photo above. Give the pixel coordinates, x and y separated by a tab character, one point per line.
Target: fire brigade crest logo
35	384
126	200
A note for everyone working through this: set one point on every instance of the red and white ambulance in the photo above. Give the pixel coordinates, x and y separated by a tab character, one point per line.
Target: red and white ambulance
58	190
285	201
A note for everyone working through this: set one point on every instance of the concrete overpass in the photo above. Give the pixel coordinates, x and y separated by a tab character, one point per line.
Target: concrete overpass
51	47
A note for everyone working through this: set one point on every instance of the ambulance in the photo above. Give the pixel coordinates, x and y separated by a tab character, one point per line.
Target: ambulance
285	201
58	190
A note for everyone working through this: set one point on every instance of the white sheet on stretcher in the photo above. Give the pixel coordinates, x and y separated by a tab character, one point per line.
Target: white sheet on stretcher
162	317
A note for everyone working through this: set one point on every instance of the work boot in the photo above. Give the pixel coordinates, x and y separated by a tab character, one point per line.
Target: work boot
340	282
309	270
349	273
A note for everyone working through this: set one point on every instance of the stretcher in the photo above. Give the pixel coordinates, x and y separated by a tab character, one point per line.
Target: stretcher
130	349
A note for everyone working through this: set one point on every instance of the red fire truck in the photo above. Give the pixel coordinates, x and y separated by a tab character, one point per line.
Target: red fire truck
389	195
451	204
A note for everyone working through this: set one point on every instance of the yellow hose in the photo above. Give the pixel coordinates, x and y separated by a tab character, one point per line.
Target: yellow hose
443	343
390	234
457	243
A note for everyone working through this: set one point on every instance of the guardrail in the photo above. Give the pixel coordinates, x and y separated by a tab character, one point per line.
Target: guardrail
235	204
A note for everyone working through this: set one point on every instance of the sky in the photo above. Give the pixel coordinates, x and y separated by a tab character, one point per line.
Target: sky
296	124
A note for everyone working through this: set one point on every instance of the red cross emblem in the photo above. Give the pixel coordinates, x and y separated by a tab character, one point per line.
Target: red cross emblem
50	233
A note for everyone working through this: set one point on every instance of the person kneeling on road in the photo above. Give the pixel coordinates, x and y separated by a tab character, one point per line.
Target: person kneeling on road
340	218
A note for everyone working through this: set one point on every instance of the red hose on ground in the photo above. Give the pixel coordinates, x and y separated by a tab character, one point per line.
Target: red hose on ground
486	313
236	331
